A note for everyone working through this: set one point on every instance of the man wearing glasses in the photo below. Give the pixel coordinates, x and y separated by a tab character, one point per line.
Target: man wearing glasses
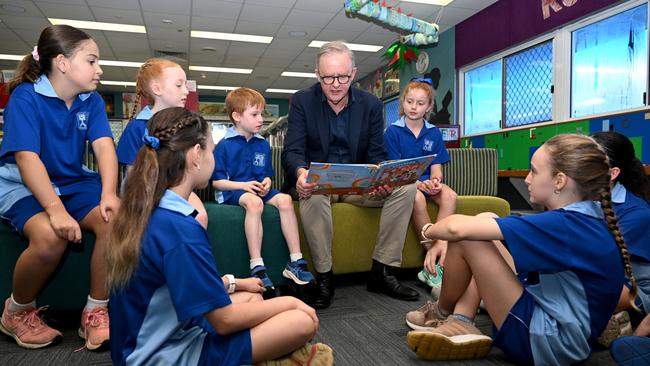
333	122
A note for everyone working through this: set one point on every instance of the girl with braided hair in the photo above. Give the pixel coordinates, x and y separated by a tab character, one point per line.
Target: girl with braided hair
548	281
163	83
168	302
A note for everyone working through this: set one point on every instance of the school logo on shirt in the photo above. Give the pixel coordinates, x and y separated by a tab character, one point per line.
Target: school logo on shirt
82	120
428	145
259	159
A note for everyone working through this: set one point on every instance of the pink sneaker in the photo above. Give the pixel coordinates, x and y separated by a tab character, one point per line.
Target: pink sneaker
94	328
27	328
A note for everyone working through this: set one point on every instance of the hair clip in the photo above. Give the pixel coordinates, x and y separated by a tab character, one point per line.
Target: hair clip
35	53
422	80
151	141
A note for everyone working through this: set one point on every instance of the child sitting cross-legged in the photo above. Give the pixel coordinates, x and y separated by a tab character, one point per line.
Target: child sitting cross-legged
243	176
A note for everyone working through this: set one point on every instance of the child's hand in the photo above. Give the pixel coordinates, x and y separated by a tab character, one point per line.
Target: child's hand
266	187
437	186
64	225
252	284
252	187
108	206
436	253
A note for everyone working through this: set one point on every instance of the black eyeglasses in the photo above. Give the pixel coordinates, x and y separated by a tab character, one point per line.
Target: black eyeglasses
329	80
423	80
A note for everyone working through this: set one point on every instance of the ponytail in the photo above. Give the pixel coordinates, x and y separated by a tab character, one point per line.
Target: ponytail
612	225
156	168
136	104
28	70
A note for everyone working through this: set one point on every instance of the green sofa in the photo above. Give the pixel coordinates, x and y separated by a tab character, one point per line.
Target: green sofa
355	232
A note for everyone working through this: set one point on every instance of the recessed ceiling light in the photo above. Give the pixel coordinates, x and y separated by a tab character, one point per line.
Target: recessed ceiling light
119	63
209	49
118	83
167	21
12	57
115	27
299	74
352	46
283	91
231	36
217	87
431	2
221	69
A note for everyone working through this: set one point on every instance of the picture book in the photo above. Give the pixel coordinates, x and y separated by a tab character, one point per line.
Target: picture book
352	179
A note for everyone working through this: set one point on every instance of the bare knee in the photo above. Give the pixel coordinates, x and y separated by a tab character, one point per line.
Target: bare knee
48	247
304	325
488	214
284	202
254	205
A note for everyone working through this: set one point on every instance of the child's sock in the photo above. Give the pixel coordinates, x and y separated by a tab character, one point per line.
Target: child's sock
256	262
92	303
463	318
295	256
16	307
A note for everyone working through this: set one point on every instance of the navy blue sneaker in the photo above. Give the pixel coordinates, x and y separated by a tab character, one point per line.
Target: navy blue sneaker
297	272
631	351
260	272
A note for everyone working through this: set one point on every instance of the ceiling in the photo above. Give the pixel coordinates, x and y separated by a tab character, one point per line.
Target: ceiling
292	23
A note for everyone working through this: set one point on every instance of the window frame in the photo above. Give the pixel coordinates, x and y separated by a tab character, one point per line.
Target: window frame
562	62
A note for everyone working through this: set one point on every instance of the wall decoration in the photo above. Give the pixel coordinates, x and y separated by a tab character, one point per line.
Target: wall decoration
109	103
391	83
128	104
271	111
213	110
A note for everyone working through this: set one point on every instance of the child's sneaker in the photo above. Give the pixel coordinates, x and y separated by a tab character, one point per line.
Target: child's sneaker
318	354
427	317
260	272
94	328
297	272
27	328
618	325
453	340
435	282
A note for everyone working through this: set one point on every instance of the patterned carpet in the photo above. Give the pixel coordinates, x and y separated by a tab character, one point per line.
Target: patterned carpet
363	328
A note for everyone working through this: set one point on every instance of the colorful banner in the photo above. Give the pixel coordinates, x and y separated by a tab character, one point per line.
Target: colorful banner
509	22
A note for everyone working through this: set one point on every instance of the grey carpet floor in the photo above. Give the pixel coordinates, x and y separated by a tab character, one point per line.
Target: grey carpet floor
363	328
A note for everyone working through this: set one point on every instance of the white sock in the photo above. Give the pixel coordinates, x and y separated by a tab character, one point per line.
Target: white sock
256	262
16	307
295	256
92	303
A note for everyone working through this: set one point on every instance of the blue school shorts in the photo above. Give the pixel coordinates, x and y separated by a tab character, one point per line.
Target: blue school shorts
232	197
641	272
231	349
514	337
78	205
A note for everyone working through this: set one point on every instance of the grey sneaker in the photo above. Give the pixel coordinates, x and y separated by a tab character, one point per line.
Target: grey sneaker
454	339
427	317
618	325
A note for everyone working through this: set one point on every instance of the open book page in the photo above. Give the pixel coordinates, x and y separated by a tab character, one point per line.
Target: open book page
340	178
400	172
359	178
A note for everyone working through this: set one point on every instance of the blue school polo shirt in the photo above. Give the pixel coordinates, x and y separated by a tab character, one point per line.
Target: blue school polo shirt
239	160
37	120
401	143
154	319
580	277
131	139
633	215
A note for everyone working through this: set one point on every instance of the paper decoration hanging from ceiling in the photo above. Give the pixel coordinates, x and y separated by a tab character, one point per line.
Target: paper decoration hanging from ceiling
424	33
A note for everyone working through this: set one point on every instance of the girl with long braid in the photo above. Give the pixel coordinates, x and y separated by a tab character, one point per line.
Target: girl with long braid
550	281
169	304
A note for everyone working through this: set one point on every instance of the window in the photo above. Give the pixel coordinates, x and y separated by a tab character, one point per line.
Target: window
529	77
482	107
609	67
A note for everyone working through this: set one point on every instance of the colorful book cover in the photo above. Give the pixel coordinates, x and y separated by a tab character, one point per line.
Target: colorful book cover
359	178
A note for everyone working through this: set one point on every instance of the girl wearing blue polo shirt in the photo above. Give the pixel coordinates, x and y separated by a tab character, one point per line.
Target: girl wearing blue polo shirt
168	303
163	84
630	198
412	136
46	193
566	258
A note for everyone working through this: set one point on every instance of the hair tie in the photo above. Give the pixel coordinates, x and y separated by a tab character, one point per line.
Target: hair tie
35	53
151	141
